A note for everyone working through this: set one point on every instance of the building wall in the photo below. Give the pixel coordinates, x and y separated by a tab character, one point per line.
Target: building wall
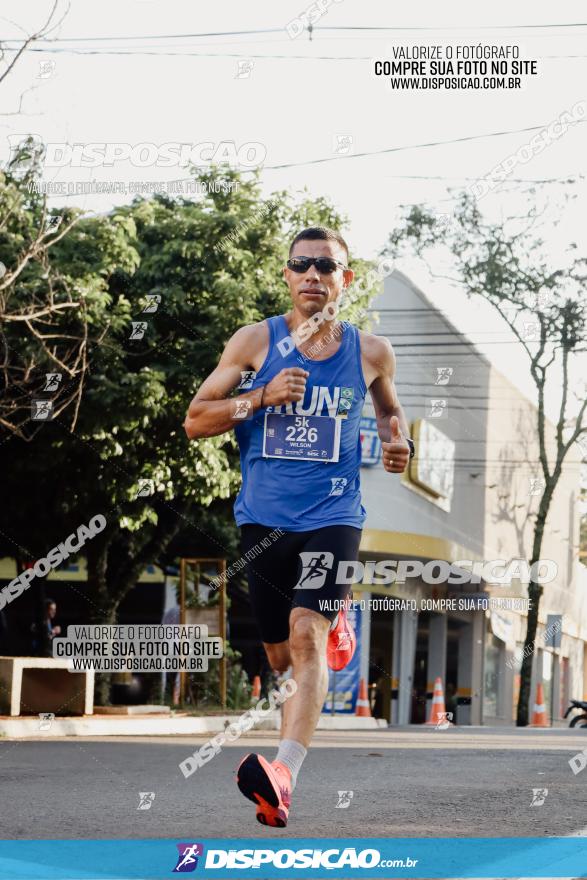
493	427
405	521
424	341
510	507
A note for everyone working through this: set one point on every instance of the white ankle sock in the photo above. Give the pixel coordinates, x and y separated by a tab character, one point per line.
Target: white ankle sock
292	754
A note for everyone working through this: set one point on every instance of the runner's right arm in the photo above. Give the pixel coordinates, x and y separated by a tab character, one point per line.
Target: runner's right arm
211	412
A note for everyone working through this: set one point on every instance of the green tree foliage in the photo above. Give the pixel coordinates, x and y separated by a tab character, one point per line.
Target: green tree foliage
117	446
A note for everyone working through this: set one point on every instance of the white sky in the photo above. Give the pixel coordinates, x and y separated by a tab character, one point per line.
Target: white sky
296	104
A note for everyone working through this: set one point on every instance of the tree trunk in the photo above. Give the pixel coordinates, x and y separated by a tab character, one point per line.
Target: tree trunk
534	594
117	583
107	588
153	688
101	607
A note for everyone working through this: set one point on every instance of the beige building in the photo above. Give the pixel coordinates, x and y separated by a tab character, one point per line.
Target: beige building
470	496
513	487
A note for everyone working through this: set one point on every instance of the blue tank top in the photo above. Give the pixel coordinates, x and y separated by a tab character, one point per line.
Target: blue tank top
301	495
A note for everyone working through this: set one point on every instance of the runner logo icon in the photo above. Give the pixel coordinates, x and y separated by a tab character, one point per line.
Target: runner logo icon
247	379
344	800
146	799
338	485
539	796
187	860
314	568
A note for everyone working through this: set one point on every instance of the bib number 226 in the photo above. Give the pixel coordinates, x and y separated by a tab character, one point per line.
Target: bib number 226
310	438
300	431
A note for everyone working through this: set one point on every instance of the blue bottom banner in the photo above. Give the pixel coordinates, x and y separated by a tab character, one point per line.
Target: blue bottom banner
257	858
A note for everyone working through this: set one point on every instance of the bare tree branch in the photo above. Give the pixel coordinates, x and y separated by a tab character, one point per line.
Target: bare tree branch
42	32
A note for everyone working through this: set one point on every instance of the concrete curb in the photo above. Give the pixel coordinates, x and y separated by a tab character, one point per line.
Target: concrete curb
350	722
152	725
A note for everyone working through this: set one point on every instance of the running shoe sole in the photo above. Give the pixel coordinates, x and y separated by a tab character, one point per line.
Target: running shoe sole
256	785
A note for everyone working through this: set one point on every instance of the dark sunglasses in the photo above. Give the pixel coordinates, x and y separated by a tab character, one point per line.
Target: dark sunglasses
324	265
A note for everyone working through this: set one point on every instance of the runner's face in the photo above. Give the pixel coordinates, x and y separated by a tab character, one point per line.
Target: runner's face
311	291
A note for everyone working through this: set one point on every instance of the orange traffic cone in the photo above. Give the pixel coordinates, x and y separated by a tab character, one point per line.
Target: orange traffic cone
363	710
539	718
256	688
437	709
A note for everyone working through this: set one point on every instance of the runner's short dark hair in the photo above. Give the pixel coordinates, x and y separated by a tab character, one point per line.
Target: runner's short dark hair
320	233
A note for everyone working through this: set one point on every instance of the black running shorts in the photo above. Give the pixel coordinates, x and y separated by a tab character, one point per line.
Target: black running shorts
295	570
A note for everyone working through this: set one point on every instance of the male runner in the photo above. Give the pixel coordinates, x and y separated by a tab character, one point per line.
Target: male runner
300	459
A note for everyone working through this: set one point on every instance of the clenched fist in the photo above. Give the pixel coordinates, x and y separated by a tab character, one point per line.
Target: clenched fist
287	387
396	453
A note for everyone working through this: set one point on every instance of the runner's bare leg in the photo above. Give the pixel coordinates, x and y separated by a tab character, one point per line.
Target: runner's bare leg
307	646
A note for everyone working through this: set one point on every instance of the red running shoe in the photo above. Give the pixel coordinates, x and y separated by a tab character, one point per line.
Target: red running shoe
268	786
342	642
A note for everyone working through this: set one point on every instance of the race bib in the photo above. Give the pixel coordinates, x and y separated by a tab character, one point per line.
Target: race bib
310	438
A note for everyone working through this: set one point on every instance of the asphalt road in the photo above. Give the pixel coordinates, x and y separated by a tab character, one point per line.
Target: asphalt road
405	783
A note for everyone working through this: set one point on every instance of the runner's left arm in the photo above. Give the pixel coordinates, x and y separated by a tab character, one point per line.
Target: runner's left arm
392	425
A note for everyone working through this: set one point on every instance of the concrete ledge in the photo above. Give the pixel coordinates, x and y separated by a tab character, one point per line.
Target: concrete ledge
153	725
108	725
44	684
132	710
